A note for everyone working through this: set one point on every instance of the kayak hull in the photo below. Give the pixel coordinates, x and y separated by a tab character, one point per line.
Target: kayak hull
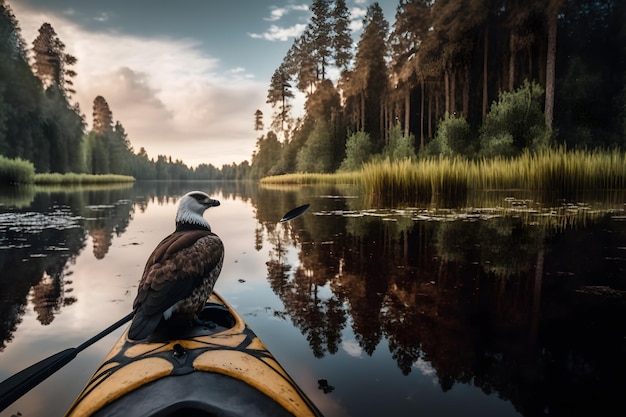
218	368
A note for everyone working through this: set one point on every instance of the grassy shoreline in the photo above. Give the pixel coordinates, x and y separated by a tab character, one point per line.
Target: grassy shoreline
21	172
80	179
558	170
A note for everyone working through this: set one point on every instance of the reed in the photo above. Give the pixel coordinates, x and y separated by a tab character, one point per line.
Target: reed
556	170
16	171
80	179
313	179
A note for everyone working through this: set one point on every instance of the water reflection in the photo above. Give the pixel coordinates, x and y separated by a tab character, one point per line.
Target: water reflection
518	299
516	295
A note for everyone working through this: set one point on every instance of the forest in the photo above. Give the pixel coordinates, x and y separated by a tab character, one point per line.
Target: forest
457	78
40	124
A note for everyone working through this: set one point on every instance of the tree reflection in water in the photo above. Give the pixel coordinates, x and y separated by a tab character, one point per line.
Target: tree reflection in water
505	299
41	236
514	298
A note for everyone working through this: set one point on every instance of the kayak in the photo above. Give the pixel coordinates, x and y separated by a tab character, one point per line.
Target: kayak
216	368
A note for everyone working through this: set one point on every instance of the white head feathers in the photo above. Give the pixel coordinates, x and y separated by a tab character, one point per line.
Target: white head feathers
191	208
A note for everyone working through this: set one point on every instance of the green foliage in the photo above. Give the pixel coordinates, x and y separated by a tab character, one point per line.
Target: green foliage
317	154
515	122
399	146
63	127
72	178
359	149
453	138
141	167
324	102
16	171
264	160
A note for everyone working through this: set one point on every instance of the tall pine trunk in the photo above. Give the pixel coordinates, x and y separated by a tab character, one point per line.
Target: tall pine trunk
485	74
466	90
512	62
422	114
407	111
446	83
551	63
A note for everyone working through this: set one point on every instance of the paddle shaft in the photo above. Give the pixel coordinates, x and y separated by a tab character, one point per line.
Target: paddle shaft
19	384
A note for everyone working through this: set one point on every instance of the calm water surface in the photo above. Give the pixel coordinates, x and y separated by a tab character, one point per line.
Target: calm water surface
502	304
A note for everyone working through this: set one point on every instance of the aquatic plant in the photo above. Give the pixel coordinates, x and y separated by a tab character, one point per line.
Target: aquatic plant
16	171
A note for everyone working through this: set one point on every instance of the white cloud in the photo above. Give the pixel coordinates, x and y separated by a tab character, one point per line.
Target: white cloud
352	348
425	368
170	96
300	8
278	13
276	33
356	18
358	13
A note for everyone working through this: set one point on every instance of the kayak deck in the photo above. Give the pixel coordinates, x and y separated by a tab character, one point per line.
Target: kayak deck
220	368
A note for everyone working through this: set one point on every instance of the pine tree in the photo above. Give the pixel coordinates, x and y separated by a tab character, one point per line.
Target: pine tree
341	36
321	29
552	11
102	116
258	120
20	93
370	75
411	29
51	62
278	96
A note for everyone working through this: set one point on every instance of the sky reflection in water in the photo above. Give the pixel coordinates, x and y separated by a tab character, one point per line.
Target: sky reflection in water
423	310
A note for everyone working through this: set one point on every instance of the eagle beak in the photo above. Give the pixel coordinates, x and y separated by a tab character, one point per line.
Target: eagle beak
209	202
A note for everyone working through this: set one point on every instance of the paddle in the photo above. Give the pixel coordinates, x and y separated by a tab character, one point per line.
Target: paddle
292	214
19	384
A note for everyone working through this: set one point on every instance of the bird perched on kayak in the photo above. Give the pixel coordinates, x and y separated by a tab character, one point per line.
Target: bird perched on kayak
180	274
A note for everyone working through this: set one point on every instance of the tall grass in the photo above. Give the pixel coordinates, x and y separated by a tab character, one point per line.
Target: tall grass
312	178
80	179
16	171
555	170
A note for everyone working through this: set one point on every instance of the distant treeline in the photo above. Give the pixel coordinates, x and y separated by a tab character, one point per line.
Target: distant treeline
40	124
468	78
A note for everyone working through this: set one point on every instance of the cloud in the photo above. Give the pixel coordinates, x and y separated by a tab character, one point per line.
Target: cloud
102	17
352	348
278	13
276	33
170	96
356	18
427	370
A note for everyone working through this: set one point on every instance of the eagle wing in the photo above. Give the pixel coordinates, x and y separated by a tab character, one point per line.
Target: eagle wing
177	266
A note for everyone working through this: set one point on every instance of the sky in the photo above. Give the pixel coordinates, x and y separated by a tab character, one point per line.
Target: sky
183	77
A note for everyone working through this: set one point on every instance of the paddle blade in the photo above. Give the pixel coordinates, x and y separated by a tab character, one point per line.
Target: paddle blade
19	384
292	214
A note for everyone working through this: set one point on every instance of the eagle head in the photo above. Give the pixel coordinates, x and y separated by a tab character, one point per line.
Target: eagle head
191	208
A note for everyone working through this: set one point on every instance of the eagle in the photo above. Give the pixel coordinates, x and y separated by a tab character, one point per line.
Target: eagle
181	271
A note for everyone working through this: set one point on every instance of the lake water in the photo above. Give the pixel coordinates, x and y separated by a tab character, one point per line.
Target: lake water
502	304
